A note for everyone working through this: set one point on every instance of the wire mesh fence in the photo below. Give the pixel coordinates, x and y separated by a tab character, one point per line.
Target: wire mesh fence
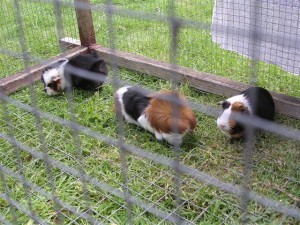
70	160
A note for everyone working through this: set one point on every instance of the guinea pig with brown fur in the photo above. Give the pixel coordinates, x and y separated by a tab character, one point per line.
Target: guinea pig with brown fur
163	113
255	101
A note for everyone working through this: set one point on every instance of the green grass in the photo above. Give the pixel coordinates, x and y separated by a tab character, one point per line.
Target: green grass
275	168
275	161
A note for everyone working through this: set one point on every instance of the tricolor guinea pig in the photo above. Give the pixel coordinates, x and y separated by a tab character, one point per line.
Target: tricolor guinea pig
255	101
163	113
53	78
63	74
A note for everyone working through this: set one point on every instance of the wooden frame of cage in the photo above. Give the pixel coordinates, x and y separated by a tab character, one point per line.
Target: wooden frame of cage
285	104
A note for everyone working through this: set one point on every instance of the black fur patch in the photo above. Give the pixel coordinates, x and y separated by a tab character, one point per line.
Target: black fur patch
238	128
135	102
225	105
88	62
261	102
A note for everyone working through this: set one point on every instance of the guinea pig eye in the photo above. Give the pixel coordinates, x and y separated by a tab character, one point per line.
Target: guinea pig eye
50	85
225	105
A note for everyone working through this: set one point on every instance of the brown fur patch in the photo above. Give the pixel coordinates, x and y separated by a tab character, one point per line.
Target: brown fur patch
241	108
56	84
239	135
161	113
238	107
232	123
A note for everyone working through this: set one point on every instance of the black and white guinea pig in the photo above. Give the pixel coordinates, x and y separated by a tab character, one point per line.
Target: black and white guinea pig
59	75
155	112
253	101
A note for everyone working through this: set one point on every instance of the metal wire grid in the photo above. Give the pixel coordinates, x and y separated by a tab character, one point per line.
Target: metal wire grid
43	25
197	187
275	18
154	31
89	212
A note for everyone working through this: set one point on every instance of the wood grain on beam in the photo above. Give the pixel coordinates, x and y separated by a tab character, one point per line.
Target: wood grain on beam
25	78
85	22
69	43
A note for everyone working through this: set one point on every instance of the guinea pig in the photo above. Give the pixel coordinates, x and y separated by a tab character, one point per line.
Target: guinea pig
53	78
60	75
255	101
163	113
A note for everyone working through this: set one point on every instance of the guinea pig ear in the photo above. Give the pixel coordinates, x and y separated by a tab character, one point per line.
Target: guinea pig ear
225	104
56	81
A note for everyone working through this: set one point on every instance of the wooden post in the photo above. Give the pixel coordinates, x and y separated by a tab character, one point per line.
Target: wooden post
85	22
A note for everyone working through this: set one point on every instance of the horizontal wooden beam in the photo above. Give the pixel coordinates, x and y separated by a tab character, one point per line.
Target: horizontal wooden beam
22	79
285	104
202	81
69	43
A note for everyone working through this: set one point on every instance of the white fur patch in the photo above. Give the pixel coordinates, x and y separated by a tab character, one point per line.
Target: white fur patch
143	122
223	119
54	72
119	95
172	138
